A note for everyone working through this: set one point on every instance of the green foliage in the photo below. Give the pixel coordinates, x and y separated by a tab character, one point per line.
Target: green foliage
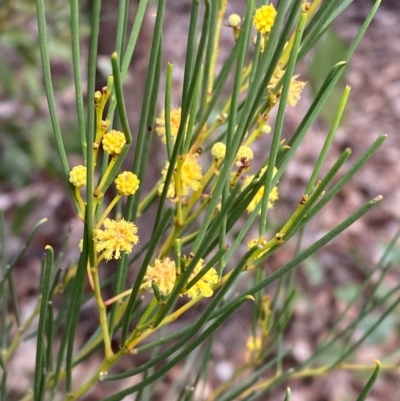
28	144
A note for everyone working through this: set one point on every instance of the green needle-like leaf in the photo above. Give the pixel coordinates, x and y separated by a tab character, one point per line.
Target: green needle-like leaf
368	387
40	364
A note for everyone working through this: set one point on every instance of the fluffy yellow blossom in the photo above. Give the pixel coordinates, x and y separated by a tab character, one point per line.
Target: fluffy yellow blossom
218	150
264	18
295	89
163	273
118	236
175	116
273	196
113	142
77	176
127	183
190	174
203	287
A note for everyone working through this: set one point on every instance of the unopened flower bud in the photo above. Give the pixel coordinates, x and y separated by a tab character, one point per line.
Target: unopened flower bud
218	150
266	129
234	21
97	97
244	152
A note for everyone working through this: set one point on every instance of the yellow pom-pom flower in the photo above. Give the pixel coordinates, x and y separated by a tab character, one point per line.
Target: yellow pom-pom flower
190	174
127	183
118	236
77	176
234	20
218	150
244	152
163	274
273	196
175	118
203	287
264	18
295	89
113	142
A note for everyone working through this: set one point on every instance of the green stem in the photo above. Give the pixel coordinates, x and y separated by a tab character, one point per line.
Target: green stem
98	191
108	210
103	314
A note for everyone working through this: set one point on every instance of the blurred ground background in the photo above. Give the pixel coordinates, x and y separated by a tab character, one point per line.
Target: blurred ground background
31	187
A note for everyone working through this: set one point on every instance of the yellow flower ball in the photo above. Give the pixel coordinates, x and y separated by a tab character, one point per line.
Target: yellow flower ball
77	176
190	174
113	142
218	150
127	183
264	18
118	236
234	21
244	152
163	274
295	88
204	287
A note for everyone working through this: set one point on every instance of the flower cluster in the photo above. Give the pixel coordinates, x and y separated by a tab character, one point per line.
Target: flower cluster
295	89
77	176
234	21
113	142
163	274
175	118
264	18
127	183
190	177
245	153
118	236
203	287
218	150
